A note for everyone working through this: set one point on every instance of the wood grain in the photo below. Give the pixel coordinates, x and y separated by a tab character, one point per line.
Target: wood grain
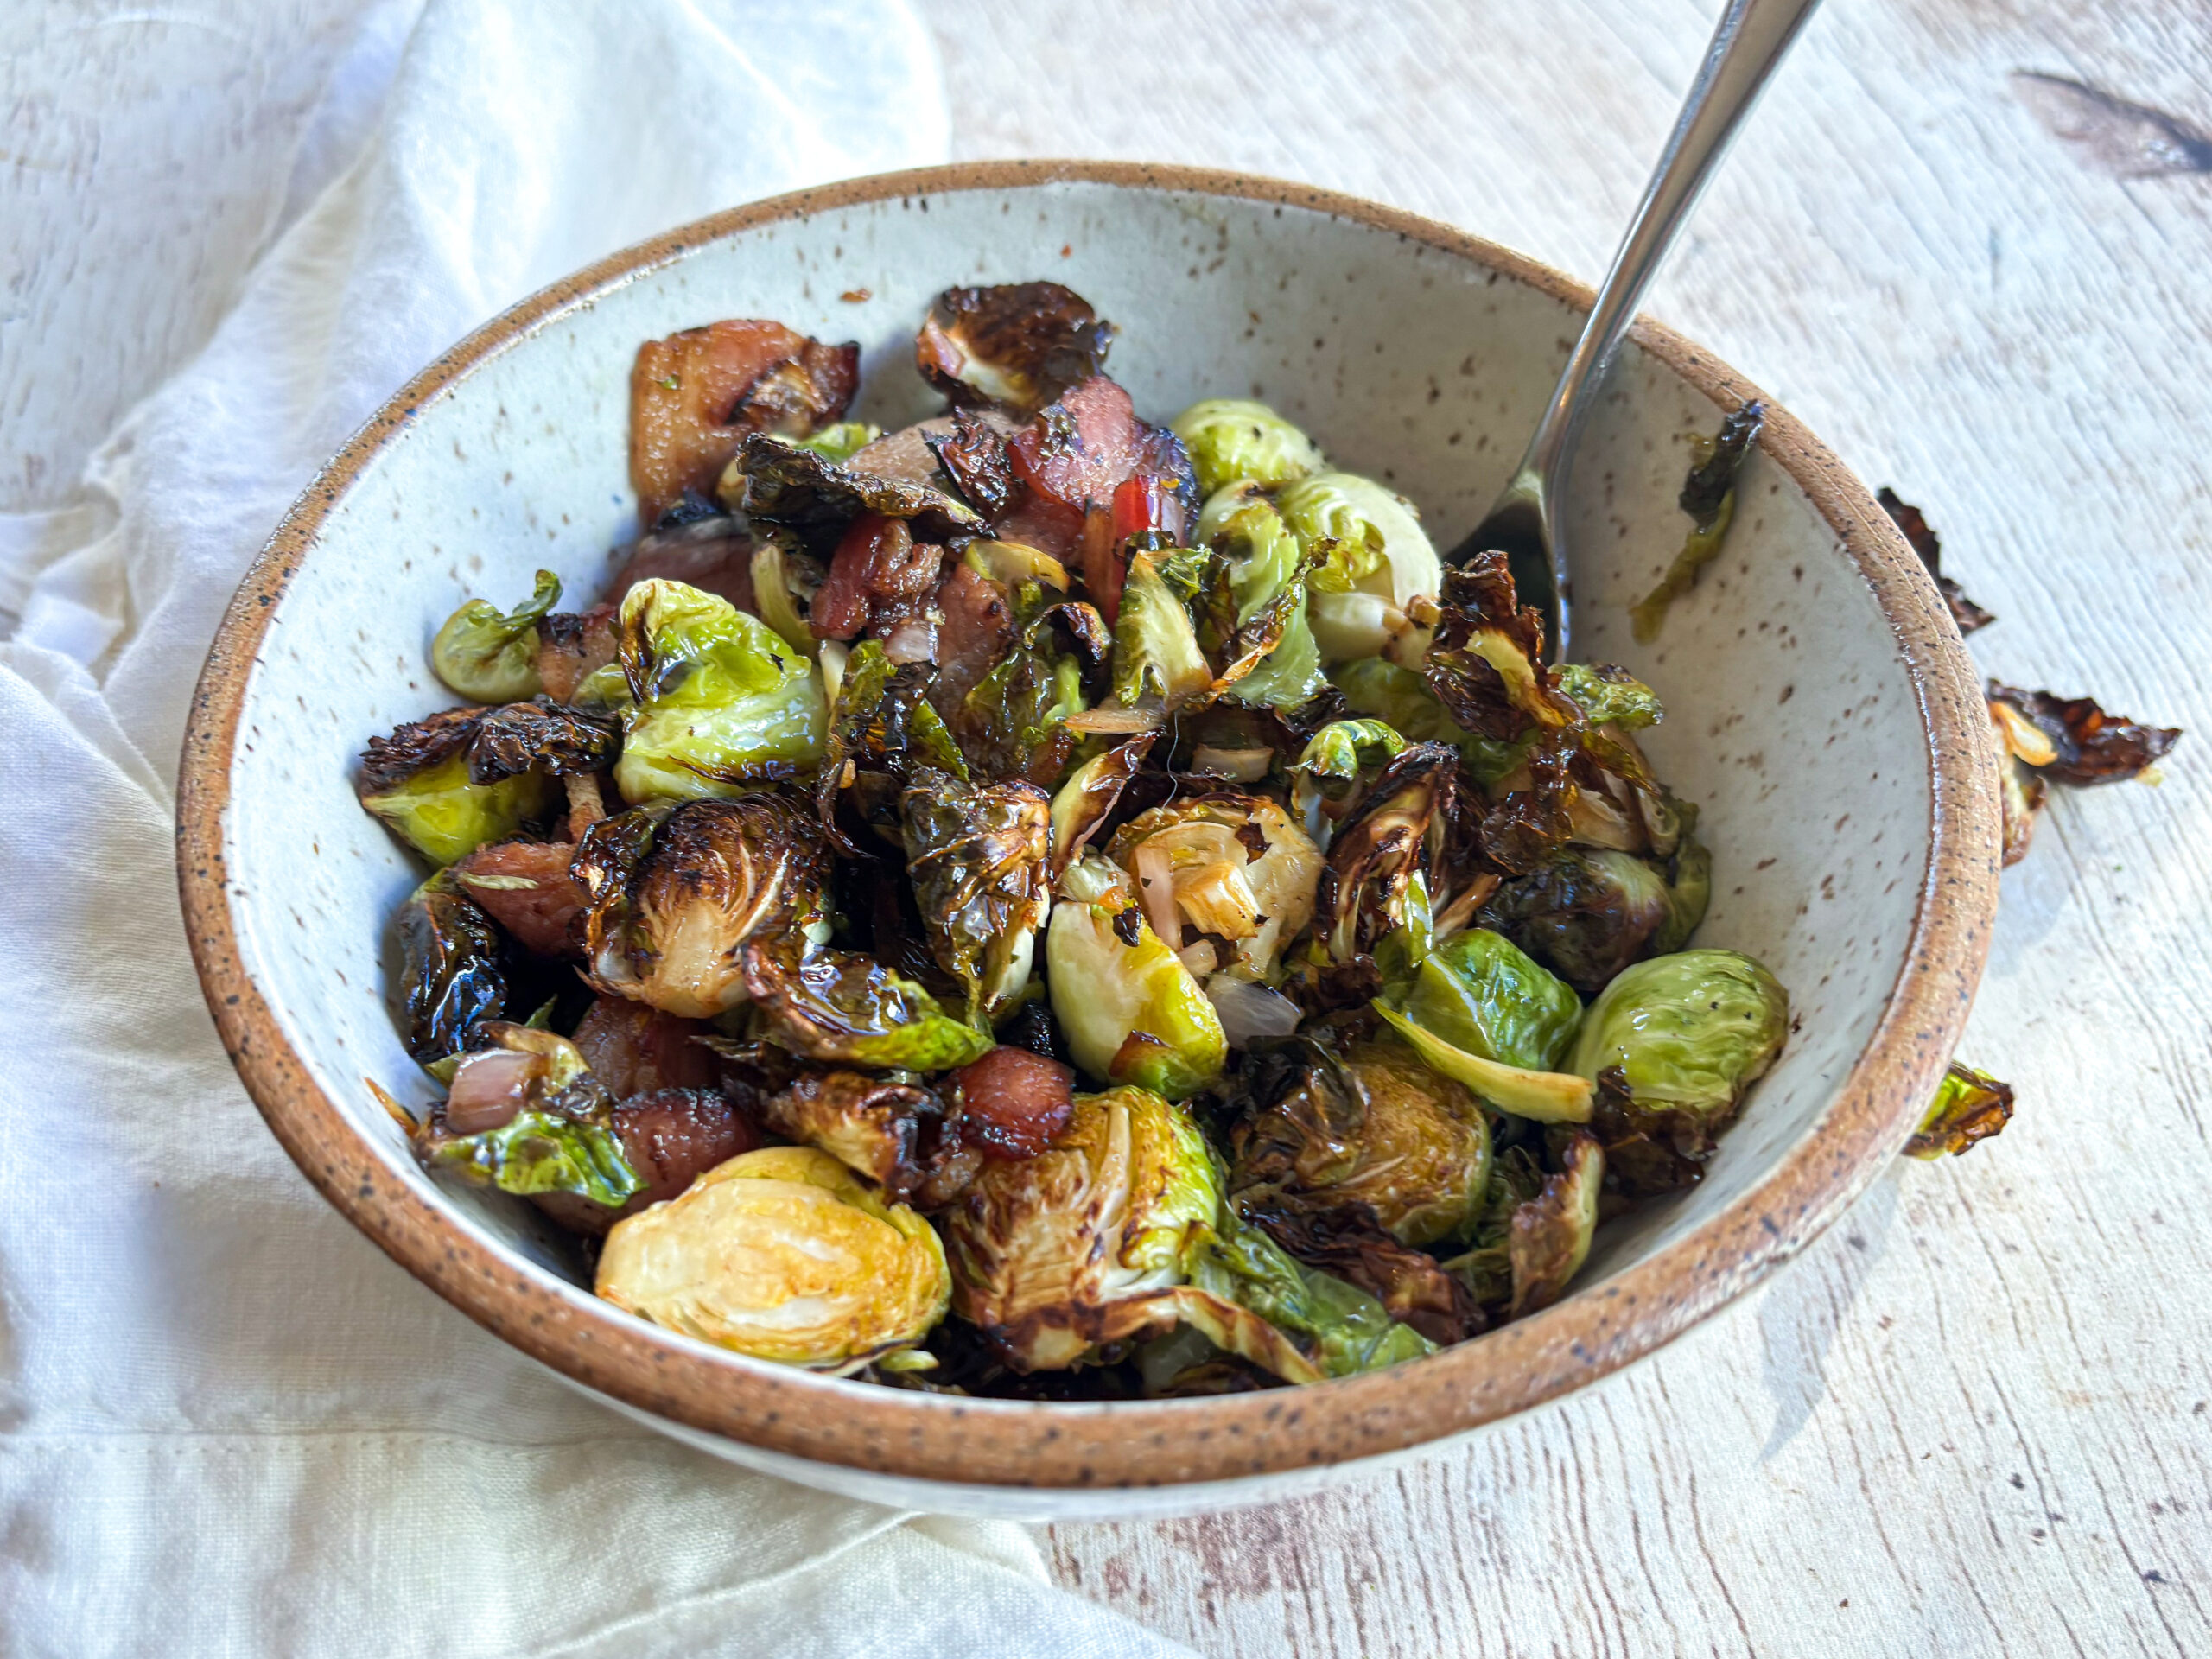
1977	1416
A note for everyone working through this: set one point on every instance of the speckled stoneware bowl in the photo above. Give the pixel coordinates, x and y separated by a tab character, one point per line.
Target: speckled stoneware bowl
1824	715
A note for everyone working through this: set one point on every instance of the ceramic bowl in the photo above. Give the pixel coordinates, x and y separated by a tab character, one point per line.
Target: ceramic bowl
1823	714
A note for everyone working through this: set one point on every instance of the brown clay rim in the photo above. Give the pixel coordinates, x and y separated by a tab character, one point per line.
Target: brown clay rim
1138	1444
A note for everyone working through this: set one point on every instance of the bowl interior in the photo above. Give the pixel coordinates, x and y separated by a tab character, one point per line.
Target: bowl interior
1793	719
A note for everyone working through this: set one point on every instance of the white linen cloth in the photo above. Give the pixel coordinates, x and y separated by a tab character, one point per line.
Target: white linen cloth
228	1424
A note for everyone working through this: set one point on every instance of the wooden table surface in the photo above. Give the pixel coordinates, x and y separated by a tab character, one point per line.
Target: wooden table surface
1977	1415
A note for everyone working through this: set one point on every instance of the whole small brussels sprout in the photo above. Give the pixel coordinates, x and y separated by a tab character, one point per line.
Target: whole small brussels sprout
721	702
492	656
1232	865
1054	1256
1233	438
1585	915
1373	1126
1130	1010
451	975
1479	1010
1689	1031
783	1255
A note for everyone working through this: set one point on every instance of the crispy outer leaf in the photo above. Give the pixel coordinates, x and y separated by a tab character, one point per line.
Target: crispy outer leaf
1924	542
450	973
2090	746
1970	1106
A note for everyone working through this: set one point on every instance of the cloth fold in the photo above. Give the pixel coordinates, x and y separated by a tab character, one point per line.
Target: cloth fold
227	1423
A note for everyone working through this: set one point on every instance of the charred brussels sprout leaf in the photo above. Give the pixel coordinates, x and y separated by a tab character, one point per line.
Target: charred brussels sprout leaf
540	735
1915	528
1331	1328
1709	497
721	700
1056	1256
490	656
1689	1031
774	481
1372	1127
1130	1010
783	1254
2088	745
892	1132
1332	762
538	1152
1155	647
1970	1106
1609	697
1348	1241
1233	438
1270	659
842	1008
1089	796
450	973
1393	837
675	894
417	781
1478	1010
1019	344
1549	1236
977	856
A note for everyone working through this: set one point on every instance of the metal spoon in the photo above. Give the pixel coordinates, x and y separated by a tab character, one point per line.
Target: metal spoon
1526	523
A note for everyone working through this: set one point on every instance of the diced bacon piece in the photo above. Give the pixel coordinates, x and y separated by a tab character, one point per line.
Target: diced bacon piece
1013	1102
976	633
572	644
716	563
634	1048
671	1137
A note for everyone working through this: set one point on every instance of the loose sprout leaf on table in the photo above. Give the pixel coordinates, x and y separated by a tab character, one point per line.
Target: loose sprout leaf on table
1051	903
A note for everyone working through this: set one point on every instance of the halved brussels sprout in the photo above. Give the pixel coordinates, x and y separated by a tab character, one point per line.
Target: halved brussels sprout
1155	647
547	1127
489	656
1090	794
418	780
1325	773
1373	1126
450	972
1969	1107
1550	1233
1375	544
1056	1256
1234	438
721	702
843	1008
675	894
1689	1031
977	856
1271	660
1130	1010
1231	867
783	1254
1019	344
1394	835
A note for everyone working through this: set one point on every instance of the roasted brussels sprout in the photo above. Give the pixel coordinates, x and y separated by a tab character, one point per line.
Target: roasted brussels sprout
722	702
1373	1126
1376	562
1233	438
773	481
1348	1243
1549	1236
841	441
781	1254
1689	1031
1056	1256
525	1116
1131	1012
1156	652
785	579
1478	1010
417	781
1269	657
977	854
892	1133
490	656
1394	834
842	1008
1914	526
1228	872
1090	796
1019	344
1609	697
677	894
1969	1107
1585	915
1324	776
540	735
1709	497
450	974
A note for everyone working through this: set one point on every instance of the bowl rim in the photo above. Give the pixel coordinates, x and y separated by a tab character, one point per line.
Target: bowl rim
1091	1444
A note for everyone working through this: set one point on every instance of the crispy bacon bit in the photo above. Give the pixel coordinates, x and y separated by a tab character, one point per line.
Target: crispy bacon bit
1013	1102
1149	505
671	1137
876	575
977	631
538	916
573	645
711	556
1078	450
634	1049
695	394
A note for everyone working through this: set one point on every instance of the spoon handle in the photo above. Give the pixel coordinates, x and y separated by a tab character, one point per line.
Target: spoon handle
1749	41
